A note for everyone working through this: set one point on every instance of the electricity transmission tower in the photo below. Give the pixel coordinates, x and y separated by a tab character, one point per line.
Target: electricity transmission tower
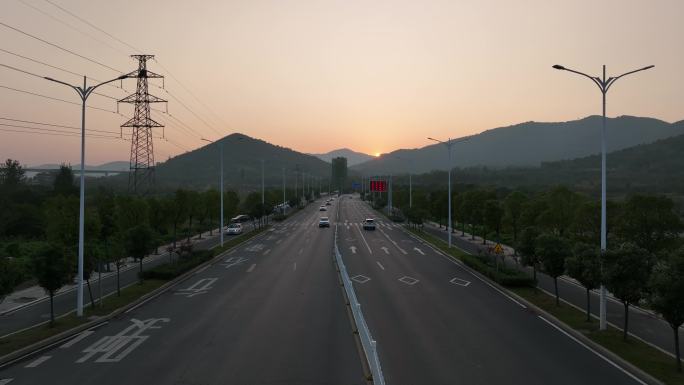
141	177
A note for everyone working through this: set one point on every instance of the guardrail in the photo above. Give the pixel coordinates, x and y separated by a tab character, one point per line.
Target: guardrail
367	342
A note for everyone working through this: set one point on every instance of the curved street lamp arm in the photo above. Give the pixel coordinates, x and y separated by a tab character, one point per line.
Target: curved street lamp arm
596	80
612	80
90	90
77	89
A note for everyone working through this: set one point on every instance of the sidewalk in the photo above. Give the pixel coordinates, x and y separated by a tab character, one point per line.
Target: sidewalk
33	294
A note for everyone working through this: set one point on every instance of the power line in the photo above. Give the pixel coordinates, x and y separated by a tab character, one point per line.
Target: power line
56	67
92	25
53	98
57	125
59	47
47	131
69	25
193	112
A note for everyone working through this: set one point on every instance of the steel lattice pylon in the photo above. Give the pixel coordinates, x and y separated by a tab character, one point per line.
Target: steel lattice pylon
141	177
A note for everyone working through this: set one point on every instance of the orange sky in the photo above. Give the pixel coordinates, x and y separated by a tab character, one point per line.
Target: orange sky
373	76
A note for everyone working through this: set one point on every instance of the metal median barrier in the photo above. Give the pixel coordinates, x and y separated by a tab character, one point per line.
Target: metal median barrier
367	342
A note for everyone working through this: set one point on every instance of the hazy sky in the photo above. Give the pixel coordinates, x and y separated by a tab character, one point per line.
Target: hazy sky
317	75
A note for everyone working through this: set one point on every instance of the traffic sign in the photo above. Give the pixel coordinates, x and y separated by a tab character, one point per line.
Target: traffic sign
378	185
498	249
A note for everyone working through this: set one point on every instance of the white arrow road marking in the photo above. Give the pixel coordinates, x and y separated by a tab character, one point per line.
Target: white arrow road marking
380	265
5	381
419	250
353	249
76	339
251	268
385	250
393	242
38	361
460	282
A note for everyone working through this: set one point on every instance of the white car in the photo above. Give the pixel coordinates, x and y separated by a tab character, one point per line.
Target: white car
322	208
369	224
324	222
234	229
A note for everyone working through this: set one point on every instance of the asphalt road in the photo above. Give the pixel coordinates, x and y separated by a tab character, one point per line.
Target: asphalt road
435	323
642	324
269	312
38	312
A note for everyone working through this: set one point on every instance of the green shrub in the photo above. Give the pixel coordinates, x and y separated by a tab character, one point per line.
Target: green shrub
279	217
169	271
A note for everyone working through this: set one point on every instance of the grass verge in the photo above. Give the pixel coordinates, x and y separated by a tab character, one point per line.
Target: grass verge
639	354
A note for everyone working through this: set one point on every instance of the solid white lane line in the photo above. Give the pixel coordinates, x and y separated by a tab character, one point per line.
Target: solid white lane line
267	251
608	360
301	251
364	240
251	268
75	340
380	264
38	361
393	242
294	268
6	381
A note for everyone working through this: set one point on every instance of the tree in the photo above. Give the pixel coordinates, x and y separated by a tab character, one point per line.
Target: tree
11	174
8	277
64	181
139	240
213	207
626	272
553	250
666	294
585	266
159	219
650	222
526	248
493	215
193	202
560	210
52	269
178	209
513	208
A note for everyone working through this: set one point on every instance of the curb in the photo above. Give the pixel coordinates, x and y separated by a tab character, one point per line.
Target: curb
47	343
600	349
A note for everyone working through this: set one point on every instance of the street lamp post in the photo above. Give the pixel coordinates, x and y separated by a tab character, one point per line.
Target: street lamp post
83	92
220	186
449	143
283	211
604	85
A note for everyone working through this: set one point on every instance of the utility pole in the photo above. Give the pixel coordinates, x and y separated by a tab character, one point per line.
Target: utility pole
603	85
141	177
284	191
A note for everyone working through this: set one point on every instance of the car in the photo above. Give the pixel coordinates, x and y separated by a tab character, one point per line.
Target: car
324	222
240	218
234	229
322	208
328	203
369	224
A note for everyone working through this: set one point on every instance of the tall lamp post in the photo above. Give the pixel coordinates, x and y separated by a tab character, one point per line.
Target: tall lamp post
604	85
83	92
449	143
220	185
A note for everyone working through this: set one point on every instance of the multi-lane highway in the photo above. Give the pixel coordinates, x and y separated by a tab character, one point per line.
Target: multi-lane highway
272	312
435	323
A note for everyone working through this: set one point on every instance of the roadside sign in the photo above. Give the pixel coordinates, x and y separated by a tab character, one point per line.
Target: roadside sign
498	249
378	185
